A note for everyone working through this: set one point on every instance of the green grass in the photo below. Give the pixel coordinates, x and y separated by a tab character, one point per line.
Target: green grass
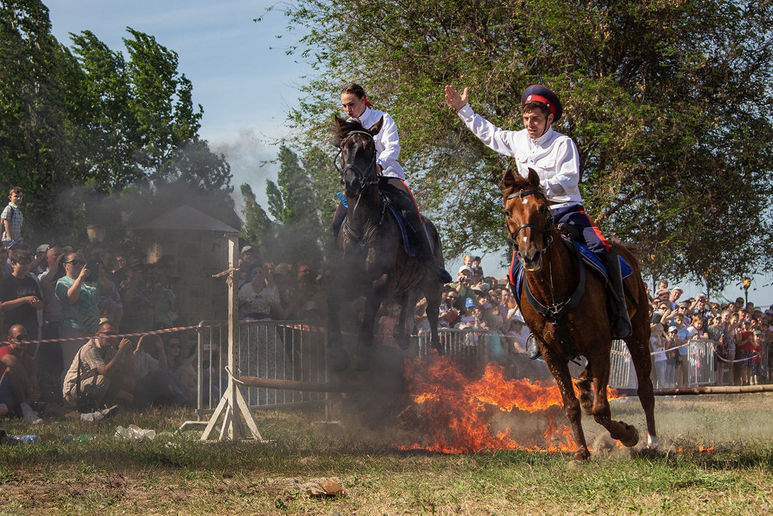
177	474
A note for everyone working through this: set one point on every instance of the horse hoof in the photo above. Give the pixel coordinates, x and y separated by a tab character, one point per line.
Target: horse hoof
633	437
652	442
576	464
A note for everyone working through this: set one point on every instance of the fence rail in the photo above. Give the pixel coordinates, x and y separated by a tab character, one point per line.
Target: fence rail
292	350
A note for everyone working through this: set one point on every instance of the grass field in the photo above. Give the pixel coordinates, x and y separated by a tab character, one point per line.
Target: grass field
177	474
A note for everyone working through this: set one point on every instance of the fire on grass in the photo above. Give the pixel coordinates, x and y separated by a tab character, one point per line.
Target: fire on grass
456	411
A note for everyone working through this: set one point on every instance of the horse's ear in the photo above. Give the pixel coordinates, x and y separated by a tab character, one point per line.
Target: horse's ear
377	127
533	178
338	123
508	179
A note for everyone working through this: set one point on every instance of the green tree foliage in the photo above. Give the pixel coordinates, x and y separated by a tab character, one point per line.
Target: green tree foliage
33	104
668	102
258	229
95	120
296	233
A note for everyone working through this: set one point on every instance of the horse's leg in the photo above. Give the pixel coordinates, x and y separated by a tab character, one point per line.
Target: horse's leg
583	384
623	432
401	331
560	372
337	358
370	310
432	293
642	363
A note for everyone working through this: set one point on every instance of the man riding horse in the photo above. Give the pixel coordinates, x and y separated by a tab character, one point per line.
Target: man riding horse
555	158
391	175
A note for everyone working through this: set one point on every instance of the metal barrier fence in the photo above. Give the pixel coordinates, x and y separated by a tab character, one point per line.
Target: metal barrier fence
283	350
693	366
290	350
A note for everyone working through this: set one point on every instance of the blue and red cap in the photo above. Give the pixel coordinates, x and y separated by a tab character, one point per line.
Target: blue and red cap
541	94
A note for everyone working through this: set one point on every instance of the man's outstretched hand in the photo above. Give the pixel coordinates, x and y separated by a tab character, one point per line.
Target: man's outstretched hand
455	100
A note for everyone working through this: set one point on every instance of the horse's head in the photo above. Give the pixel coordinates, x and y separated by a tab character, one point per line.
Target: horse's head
528	219
358	155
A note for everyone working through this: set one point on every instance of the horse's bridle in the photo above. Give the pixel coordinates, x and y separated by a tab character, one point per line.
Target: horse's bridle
359	172
547	230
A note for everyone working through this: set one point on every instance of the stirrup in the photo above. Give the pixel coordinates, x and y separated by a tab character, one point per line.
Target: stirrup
532	347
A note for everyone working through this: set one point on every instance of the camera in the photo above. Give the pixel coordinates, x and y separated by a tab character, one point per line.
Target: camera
93	267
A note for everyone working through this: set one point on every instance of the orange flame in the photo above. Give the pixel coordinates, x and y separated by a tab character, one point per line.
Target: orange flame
457	409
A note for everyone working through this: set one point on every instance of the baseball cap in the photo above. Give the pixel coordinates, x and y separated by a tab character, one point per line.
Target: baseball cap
469	303
247	249
672	328
42	248
465	268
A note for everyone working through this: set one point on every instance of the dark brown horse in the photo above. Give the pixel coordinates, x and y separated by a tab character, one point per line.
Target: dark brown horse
576	323
372	261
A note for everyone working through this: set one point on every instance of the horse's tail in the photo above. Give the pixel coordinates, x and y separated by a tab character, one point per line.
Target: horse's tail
434	238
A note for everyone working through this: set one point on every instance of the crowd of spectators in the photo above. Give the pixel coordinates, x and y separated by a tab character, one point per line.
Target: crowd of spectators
85	297
738	334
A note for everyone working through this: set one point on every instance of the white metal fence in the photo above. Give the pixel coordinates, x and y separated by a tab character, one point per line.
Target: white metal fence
283	350
291	350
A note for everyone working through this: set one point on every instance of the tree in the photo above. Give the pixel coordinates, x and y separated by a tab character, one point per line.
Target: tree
668	102
34	130
258	228
77	126
296	232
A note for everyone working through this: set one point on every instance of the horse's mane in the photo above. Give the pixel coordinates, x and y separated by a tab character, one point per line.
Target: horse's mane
342	127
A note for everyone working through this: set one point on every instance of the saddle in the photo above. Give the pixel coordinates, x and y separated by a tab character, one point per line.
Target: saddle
515	274
408	246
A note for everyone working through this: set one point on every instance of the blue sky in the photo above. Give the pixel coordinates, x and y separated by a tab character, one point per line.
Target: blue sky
239	70
241	76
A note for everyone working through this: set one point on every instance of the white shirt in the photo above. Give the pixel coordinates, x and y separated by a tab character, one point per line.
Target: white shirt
553	156
387	141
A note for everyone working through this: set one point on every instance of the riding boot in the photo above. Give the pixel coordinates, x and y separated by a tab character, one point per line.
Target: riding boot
532	347
621	323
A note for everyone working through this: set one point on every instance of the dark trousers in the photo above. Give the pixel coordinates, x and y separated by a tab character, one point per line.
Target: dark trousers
50	366
582	227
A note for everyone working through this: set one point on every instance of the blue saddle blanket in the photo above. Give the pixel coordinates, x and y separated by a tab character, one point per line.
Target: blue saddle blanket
409	249
515	274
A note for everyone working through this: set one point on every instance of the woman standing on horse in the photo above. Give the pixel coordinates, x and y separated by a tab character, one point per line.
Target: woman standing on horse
555	158
391	174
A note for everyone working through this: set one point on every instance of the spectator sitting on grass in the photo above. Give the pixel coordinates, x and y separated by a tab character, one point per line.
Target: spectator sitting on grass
156	383
18	377
101	372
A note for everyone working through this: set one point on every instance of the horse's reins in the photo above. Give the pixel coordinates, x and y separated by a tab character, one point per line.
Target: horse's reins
548	222
555	312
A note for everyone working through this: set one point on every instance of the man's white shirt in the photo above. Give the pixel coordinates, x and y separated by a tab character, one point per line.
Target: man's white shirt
553	156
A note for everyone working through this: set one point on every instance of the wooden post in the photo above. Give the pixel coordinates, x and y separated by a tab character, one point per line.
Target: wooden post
232	405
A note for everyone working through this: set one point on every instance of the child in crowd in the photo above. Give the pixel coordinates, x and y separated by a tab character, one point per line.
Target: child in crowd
12	218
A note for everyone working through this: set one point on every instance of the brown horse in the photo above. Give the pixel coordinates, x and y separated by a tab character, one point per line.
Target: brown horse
372	261
576	321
